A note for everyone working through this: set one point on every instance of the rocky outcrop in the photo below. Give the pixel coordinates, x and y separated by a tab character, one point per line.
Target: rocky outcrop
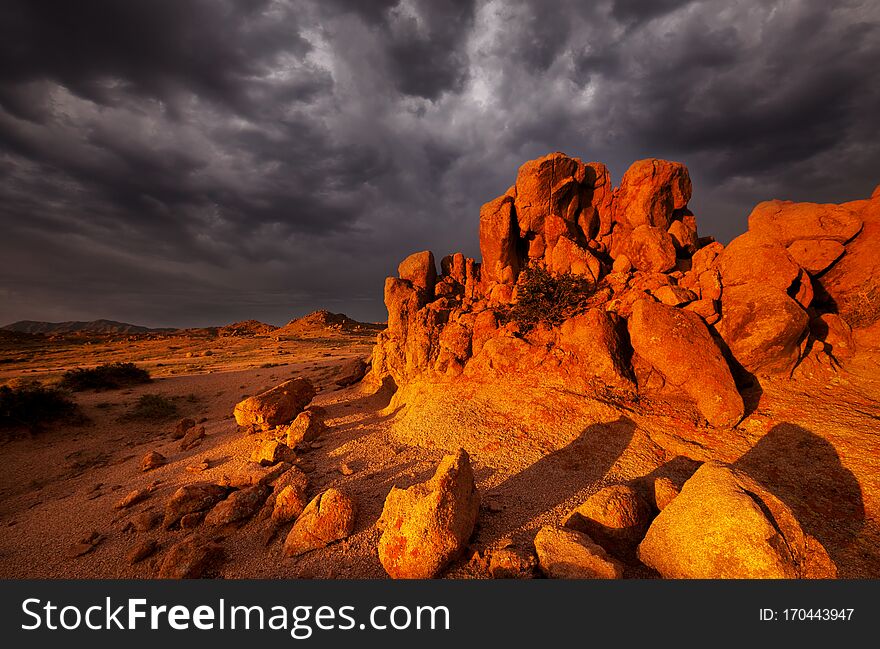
725	525
594	342
587	288
276	406
650	249
787	222
651	192
427	525
763	328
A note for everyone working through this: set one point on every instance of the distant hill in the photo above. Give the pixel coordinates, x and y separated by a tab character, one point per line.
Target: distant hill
246	328
77	327
322	322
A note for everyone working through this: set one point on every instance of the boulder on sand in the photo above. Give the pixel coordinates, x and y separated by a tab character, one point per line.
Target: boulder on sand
615	515
329	517
427	525
307	427
195	497
511	562
182	426
568	554
190	559
288	499
192	438
239	506
276	406
272	452
724	525
152	460
289	503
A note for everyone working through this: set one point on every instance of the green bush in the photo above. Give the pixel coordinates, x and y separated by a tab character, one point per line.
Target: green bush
152	407
104	377
30	405
544	297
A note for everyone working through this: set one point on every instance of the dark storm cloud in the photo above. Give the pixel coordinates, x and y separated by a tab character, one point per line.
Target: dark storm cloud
197	162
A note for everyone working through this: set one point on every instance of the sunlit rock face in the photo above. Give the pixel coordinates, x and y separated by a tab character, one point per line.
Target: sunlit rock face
591	287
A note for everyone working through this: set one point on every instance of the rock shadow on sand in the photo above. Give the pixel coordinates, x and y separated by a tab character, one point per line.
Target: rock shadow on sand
804	471
557	477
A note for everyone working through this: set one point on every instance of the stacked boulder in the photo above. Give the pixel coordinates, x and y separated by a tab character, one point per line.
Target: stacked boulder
667	309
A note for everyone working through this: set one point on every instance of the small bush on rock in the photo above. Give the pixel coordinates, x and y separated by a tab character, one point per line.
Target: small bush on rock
544	297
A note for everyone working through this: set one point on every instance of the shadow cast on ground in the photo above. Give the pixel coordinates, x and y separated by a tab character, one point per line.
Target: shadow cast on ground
558	476
805	472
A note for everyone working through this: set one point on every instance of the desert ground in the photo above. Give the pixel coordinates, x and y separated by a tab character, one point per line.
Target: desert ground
537	453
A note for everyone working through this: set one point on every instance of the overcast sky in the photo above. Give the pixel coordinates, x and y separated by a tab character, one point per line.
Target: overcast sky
179	163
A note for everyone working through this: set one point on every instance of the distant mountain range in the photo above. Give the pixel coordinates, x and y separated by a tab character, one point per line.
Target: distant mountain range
314	322
75	327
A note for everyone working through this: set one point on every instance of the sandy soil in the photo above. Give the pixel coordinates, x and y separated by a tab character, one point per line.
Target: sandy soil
537	453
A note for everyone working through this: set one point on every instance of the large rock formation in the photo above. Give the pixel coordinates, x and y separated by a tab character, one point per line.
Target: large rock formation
587	288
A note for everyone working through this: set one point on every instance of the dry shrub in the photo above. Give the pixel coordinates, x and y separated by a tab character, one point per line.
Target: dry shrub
152	407
544	297
30	405
104	377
